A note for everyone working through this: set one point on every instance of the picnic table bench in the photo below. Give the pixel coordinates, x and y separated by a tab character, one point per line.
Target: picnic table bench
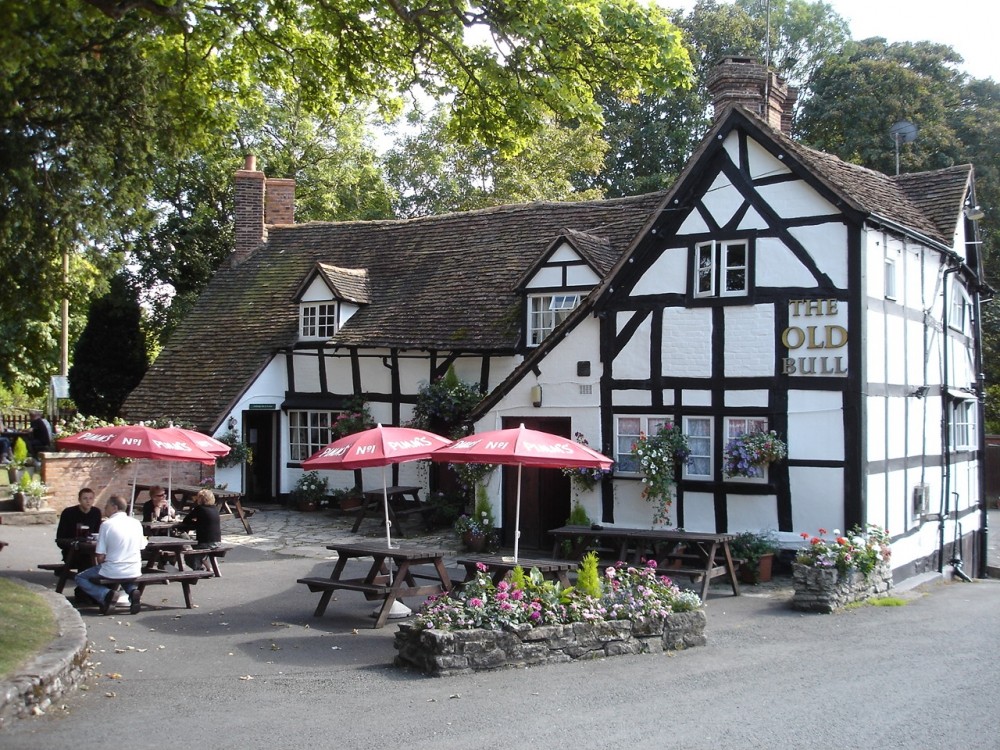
380	582
2	545
187	579
499	567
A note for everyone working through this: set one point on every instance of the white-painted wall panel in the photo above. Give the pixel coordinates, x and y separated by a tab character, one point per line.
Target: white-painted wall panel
317	291
778	267
761	162
876	427
687	342
751	512
792	200
817	498
546	277
827	246
581	276
563	254
749	341
632	362
815	425
722	200
735	398
667	274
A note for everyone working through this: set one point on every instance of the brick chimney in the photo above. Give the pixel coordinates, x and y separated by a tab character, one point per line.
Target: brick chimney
279	201
741	80
249	210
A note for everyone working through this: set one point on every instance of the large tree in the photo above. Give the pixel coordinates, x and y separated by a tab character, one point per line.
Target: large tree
103	103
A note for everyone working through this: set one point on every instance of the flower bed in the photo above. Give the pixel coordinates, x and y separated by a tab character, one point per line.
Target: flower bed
831	573
444	653
827	589
529	620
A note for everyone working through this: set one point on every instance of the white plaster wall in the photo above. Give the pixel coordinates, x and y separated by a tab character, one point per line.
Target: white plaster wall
815	425
631	397
317	291
875	346
876	427
693	224
546	278
722	199
817	498
761	162
777	266
631	511
687	342
695	397
896	351
749	340
827	245
346	311
632	362
564	254
306	372
734	398
667	274
752	512
581	276
900	430
793	200
699	512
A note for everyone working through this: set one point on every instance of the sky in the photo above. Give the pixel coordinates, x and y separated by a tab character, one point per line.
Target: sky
968	26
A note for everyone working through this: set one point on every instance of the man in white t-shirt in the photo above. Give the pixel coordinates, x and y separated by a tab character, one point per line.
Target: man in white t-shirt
119	555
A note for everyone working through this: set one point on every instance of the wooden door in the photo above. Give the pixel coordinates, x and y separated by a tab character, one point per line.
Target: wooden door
545	493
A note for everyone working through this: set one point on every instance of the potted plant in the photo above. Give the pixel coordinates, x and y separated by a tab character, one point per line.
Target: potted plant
478	531
18	461
659	457
240	452
348	500
310	491
749	454
32	492
584	480
756	550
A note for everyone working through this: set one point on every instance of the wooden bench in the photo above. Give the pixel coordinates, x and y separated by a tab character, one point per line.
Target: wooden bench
213	556
62	571
372	591
187	578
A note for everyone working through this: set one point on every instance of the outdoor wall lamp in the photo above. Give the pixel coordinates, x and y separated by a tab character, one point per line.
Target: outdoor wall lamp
536	395
974	213
921	391
231	423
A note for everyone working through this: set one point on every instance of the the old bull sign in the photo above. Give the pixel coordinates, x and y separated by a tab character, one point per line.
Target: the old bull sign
815	339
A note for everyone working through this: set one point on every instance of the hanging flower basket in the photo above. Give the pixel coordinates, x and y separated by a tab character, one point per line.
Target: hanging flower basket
749	454
659	457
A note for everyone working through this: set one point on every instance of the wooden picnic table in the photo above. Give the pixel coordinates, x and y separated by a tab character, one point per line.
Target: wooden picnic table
381	582
399	505
161	528
499	567
184	495
703	556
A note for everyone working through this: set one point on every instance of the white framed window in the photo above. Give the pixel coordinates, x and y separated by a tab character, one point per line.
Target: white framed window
546	311
699	437
890	277
318	320
963	425
721	269
308	431
958	314
736	426
627	431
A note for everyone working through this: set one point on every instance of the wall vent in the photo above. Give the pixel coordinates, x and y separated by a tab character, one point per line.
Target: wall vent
586	390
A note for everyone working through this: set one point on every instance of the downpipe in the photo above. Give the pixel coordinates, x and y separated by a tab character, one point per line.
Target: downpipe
956	559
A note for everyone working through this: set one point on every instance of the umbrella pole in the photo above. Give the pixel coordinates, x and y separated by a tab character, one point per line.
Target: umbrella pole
388	523
517	513
135	478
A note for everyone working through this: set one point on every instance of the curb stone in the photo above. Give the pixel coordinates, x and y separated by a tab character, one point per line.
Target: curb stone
57	669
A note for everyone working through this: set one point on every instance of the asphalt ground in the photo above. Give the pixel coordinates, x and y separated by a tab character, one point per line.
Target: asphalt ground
250	667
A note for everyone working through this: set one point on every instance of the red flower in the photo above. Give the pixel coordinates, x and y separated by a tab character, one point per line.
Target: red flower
815	540
822	531
804	535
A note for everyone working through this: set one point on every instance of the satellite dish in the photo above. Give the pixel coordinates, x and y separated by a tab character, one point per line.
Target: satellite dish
903	131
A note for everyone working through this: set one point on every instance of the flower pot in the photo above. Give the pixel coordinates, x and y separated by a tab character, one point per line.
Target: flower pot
474	542
308	506
759	573
20	501
350	503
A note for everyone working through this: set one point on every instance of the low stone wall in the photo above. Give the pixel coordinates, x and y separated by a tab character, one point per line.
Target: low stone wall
451	652
825	589
59	668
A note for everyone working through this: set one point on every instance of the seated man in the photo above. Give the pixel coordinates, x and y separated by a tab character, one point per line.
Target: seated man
119	555
158	507
77	522
41	433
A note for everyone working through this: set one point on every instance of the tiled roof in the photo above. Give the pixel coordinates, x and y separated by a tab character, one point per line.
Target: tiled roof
939	194
349	284
595	249
443	282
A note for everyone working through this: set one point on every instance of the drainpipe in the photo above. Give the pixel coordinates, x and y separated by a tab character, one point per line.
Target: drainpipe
945	419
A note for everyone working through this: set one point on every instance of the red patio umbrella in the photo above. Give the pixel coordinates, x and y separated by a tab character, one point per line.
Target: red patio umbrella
379	446
137	441
522	447
207	443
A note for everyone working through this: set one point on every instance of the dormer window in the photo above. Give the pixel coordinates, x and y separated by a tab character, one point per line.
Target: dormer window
546	311
318	320
721	269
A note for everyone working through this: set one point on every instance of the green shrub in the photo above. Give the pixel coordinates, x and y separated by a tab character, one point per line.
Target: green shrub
588	582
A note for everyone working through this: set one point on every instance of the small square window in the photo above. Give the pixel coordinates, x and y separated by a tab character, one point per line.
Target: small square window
722	269
546	311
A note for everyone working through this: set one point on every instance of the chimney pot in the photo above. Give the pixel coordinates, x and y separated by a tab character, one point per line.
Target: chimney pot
250	163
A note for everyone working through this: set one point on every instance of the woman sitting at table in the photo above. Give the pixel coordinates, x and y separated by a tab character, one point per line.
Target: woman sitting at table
204	520
157	508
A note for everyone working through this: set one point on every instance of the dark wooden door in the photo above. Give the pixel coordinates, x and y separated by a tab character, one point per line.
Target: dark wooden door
545	493
258	477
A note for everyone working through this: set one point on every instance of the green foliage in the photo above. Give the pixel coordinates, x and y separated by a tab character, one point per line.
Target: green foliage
578	516
444	405
518	579
751	546
660	456
311	488
860	549
240	452
26	625
110	356
355	418
588	582
20	451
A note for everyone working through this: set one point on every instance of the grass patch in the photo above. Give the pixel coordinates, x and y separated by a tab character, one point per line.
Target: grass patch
26	625
888	601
